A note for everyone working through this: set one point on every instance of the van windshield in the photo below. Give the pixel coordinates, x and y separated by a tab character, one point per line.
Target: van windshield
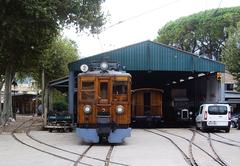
217	110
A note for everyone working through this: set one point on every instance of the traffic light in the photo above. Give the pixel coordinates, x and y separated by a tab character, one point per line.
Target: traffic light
218	76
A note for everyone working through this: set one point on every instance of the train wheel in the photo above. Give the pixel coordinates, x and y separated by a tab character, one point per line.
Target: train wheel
50	130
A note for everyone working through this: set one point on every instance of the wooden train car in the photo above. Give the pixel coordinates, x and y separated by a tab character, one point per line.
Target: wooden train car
147	105
104	101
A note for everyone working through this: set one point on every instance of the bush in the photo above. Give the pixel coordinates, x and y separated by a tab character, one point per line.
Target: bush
60	106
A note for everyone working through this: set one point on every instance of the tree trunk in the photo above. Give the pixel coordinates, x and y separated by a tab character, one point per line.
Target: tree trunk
7	106
1	85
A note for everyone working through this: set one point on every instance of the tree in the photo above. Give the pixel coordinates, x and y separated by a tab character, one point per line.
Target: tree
203	33
28	27
55	60
231	53
54	63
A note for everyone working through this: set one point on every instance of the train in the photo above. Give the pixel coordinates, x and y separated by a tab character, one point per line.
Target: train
107	105
61	121
183	110
103	103
147	106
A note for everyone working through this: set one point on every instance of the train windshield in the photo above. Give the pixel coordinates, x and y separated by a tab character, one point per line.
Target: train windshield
103	90
120	87
88	90
120	90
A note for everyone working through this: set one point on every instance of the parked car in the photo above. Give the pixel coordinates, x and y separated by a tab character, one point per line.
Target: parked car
214	116
234	120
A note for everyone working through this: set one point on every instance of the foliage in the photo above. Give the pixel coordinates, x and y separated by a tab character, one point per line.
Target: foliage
60	106
203	33
58	96
59	101
28	27
25	30
231	53
55	60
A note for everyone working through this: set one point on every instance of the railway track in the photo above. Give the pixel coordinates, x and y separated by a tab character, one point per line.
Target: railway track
216	155
76	162
106	162
189	160
191	141
13	133
231	140
223	142
81	156
214	151
193	161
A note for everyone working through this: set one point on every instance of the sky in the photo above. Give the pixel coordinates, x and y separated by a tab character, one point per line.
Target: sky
140	21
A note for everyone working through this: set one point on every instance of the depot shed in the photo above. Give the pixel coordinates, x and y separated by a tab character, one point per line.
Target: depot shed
154	65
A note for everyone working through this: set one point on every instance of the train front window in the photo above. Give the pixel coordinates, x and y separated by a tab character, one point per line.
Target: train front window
88	85
88	90
120	87
103	90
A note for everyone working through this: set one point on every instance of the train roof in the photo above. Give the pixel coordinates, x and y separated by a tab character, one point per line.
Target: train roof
100	73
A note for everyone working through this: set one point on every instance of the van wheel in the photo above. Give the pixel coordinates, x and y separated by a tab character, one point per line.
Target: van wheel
233	124
202	129
197	128
227	130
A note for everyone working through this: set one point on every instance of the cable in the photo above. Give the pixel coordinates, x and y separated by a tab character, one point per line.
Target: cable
139	15
100	42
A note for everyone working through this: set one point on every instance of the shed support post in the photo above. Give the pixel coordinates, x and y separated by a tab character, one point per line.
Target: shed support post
71	94
222	88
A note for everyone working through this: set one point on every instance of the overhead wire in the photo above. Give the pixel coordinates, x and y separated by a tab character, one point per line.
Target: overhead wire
134	17
141	14
215	11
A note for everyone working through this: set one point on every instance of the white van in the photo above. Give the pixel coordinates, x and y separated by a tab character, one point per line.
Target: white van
214	116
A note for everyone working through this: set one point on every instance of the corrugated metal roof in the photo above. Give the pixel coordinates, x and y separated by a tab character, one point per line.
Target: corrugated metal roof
153	56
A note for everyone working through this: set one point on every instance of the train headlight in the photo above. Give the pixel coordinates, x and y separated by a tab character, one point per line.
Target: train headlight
119	109
84	68
87	109
178	113
104	66
190	112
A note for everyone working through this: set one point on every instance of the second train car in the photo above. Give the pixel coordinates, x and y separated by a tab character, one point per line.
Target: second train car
104	103
147	106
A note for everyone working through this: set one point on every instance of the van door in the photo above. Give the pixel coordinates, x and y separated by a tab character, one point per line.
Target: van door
218	115
199	117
